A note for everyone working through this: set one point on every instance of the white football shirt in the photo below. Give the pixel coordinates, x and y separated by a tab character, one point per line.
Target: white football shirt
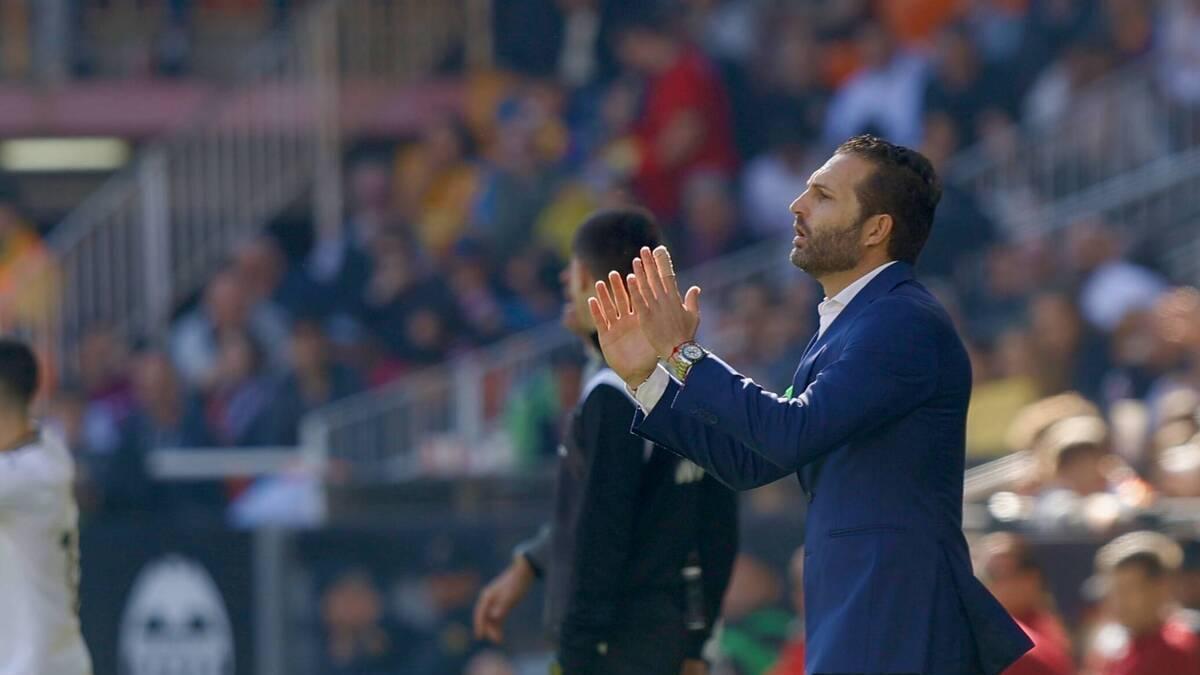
39	562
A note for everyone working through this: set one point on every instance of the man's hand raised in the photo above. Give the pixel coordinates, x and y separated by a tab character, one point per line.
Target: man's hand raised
667	320
625	347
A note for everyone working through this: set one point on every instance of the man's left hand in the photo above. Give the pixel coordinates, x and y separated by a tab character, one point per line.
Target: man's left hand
666	319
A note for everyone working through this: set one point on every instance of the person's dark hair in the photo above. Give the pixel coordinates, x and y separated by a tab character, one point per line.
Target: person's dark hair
1148	562
610	240
18	372
904	185
648	16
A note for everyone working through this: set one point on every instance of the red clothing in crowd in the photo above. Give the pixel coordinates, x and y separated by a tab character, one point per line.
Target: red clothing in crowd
692	83
1174	649
1048	656
791	659
1048	626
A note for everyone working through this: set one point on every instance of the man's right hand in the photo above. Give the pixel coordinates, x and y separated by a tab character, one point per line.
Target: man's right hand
499	597
625	347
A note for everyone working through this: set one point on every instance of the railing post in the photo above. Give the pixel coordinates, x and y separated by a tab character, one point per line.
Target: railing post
478	35
327	183
154	186
468	392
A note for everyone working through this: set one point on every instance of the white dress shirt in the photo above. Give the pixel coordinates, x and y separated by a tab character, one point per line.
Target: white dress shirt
650	391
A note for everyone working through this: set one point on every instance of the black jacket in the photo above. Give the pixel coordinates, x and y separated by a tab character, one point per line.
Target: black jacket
628	517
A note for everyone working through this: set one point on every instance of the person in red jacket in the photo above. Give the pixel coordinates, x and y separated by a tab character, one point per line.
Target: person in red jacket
686	122
1148	637
1010	571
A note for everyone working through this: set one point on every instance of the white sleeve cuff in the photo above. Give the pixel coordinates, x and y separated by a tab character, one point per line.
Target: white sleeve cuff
649	392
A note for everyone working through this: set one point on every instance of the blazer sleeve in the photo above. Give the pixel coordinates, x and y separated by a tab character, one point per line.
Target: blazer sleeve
887	368
719	454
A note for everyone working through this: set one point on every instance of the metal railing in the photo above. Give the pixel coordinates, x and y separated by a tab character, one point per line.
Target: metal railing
450	419
1120	124
152	235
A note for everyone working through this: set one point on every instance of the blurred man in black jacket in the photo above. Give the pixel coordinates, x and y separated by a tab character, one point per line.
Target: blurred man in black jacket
640	549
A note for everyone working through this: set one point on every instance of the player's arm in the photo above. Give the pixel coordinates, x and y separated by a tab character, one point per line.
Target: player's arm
887	368
717	543
536	550
715	451
604	536
497	600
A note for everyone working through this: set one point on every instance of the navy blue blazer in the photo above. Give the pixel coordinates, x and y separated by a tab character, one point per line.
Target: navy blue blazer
877	440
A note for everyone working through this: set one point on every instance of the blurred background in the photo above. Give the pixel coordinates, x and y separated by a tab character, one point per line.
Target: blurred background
293	268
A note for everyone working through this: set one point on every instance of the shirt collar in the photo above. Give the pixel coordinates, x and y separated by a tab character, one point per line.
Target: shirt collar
847	294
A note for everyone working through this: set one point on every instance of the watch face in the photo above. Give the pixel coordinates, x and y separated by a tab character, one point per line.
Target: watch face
692	352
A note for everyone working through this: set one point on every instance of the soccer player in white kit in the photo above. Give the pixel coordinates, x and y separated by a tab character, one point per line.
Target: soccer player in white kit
39	535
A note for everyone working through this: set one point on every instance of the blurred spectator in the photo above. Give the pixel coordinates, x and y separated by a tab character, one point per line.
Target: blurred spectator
1084	483
1187	583
791	92
436	185
915	22
1007	566
791	659
336	269
726	28
411	311
709	227
1136	570
755	626
487	313
1082	63
1070	355
103	376
532	279
1179	62
1177	470
450	584
269	288
962	86
1004	385
772	180
962	233
1129	24
225	309
520	177
312	380
884	97
236	406
163	417
685	124
359	640
1110	286
28	274
1075	456
1033	421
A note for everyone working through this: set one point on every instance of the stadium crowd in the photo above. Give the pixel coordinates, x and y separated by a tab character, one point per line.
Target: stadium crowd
1086	356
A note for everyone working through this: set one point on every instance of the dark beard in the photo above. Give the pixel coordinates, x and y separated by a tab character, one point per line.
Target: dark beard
829	252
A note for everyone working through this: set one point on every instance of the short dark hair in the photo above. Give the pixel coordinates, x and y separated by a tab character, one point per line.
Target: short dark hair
610	240
18	371
904	186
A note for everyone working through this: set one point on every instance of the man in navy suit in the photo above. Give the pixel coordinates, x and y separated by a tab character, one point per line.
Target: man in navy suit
873	425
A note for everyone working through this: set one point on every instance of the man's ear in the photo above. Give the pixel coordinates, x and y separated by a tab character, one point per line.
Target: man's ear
878	229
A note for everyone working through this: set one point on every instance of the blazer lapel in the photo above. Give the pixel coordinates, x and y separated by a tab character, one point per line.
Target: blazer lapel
886	280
